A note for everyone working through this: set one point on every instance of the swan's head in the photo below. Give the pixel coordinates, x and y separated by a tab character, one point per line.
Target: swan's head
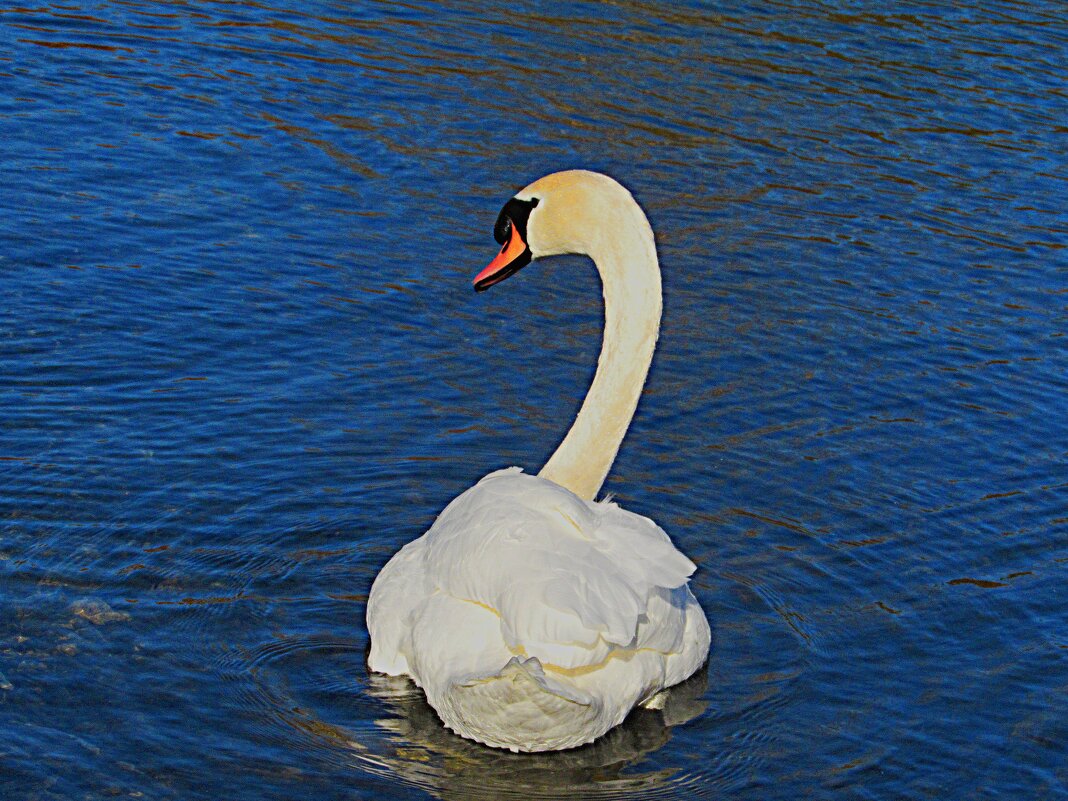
567	212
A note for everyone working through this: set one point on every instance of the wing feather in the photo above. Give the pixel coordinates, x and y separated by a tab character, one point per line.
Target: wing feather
570	580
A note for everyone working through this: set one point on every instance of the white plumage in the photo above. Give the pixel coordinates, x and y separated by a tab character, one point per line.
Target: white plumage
532	617
535	619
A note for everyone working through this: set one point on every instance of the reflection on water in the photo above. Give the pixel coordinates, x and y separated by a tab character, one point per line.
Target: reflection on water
398	735
428	755
242	364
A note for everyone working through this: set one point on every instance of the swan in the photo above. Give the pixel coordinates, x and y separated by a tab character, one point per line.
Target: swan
532	616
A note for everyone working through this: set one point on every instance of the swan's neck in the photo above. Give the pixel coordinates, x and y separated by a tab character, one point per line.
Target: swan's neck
626	259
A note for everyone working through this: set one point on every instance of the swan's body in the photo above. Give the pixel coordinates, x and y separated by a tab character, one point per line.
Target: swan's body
533	617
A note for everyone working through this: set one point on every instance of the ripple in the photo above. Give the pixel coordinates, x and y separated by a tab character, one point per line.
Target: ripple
314	695
243	365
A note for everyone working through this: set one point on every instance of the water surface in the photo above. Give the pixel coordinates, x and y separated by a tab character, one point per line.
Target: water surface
243	364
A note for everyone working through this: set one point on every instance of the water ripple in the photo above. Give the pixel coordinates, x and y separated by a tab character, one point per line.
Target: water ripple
243	365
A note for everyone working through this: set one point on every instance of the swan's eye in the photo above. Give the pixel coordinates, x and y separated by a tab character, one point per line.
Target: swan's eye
514	213
502	231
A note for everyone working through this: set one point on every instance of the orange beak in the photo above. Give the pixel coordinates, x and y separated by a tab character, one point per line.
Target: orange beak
513	256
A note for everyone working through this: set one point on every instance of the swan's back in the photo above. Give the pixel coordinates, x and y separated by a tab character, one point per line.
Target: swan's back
535	616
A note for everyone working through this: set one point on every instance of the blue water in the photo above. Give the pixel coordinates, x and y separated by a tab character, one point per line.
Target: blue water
242	364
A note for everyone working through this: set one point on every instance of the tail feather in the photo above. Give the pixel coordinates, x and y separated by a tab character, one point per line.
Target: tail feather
521	706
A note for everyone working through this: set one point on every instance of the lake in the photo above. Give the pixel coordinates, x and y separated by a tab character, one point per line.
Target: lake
243	364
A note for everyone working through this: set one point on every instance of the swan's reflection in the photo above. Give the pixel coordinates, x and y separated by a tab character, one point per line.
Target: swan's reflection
423	752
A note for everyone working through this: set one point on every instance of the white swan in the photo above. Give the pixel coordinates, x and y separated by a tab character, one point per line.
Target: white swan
533	617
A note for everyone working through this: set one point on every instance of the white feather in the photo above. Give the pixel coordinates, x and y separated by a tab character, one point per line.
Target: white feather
504	581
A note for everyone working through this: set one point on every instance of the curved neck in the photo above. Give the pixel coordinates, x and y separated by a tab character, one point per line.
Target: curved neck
625	257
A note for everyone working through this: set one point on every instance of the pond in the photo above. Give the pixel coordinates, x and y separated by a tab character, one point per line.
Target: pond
243	364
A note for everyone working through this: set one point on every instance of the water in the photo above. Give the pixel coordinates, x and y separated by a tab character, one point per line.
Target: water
243	364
